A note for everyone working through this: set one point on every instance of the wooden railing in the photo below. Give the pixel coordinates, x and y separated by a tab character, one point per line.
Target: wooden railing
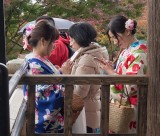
69	81
13	82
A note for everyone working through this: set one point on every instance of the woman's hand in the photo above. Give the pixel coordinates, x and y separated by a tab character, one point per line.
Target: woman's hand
67	67
57	67
106	65
108	68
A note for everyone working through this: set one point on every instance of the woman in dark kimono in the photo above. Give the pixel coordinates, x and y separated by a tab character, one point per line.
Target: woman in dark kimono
49	117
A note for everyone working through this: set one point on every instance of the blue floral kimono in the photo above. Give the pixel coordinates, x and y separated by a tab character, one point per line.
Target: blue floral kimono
49	112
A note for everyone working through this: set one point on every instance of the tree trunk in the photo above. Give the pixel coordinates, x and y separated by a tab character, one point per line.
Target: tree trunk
153	111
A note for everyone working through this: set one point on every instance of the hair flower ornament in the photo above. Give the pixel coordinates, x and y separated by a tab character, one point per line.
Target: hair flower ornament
27	33
129	24
29	30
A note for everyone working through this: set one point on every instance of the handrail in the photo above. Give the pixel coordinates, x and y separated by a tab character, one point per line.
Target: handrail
105	81
13	82
4	101
16	131
84	79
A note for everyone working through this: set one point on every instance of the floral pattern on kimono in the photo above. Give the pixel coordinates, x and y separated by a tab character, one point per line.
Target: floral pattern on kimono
132	61
49	112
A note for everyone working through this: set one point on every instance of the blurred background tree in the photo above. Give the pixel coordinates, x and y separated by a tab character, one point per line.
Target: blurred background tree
96	12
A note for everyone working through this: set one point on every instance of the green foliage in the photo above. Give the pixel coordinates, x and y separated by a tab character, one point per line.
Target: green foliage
96	12
16	15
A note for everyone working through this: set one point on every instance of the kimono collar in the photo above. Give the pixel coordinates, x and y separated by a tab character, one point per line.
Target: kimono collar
137	43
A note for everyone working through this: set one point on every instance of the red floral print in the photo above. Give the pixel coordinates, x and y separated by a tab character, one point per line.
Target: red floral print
131	73
119	87
143	47
132	124
133	100
129	61
135	67
119	71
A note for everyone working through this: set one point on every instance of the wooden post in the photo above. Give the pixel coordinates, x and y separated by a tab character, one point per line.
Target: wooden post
153	105
4	102
105	98
2	34
67	112
31	111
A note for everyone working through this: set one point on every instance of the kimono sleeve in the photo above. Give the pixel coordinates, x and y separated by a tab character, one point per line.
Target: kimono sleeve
35	68
135	64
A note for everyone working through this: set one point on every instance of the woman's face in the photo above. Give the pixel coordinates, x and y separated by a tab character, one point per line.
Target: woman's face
47	47
73	44
121	40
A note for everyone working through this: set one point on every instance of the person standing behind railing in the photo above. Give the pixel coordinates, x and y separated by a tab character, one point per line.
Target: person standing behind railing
62	50
132	61
82	37
49	98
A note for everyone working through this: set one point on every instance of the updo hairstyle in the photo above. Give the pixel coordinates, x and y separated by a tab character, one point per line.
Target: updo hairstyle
118	25
45	30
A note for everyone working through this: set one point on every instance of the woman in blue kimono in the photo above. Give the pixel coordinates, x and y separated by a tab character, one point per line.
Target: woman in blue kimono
49	117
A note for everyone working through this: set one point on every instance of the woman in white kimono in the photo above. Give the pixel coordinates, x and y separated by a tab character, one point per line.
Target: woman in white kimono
132	61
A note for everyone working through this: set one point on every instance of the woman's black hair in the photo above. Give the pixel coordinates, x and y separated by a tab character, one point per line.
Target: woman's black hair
45	30
117	25
47	18
83	33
